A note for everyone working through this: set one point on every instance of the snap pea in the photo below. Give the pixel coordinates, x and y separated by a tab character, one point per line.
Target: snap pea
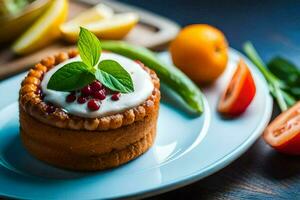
169	75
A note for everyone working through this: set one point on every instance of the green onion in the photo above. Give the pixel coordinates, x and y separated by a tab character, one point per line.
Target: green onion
276	86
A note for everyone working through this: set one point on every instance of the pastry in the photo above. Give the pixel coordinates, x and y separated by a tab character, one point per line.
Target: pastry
93	128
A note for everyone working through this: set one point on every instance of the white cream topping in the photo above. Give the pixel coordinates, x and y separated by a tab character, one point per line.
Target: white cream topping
142	83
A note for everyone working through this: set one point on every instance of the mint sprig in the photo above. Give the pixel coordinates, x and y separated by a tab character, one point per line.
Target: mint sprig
76	75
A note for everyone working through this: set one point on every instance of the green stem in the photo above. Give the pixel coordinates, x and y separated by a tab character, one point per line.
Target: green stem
280	99
275	84
255	58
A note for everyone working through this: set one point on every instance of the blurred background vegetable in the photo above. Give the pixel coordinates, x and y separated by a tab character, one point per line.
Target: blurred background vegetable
287	72
44	30
12	7
281	75
35	24
16	16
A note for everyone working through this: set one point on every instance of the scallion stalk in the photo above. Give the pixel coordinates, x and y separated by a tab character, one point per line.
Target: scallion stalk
276	86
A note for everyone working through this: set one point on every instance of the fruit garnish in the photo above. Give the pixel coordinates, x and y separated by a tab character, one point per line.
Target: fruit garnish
96	86
81	100
93	93
70	98
86	91
201	52
114	27
116	96
239	92
93	105
77	75
44	30
99	95
283	134
168	74
98	12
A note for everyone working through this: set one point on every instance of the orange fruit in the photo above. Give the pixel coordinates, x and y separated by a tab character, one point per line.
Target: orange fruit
201	52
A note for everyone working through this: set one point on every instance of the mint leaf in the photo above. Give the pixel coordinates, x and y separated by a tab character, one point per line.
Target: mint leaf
71	76
111	74
76	75
89	47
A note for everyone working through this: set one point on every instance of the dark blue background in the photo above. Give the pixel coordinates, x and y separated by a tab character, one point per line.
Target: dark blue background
272	25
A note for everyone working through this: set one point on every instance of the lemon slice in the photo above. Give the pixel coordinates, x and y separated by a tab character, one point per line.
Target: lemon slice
94	14
44	30
115	27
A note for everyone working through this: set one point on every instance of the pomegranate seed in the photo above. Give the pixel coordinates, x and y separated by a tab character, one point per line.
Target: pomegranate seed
50	109
86	91
116	96
104	90
99	95
93	105
81	100
70	98
96	86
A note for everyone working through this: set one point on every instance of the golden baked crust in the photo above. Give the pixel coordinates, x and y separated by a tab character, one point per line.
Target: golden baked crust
87	150
32	103
91	163
85	142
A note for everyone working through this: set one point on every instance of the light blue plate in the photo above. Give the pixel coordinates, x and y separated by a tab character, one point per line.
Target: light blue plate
186	149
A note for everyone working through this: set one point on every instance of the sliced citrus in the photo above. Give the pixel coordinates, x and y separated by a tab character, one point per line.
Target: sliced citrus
44	30
17	24
115	27
94	14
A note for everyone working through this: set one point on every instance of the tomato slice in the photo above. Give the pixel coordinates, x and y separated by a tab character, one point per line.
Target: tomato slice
283	133
239	93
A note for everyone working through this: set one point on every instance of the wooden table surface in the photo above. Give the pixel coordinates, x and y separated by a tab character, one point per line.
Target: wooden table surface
274	28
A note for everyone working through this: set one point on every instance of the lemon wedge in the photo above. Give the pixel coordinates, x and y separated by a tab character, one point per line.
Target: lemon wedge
94	14
114	28
44	30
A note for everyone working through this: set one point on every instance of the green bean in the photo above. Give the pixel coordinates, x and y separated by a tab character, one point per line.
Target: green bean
168	74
